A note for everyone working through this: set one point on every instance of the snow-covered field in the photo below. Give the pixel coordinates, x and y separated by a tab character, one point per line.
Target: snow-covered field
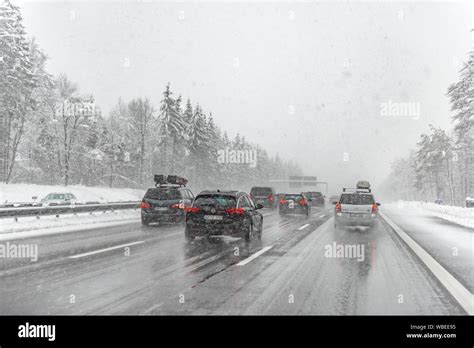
459	215
25	192
30	226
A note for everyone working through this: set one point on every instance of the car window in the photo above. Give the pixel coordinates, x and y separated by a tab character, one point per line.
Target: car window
357	199
293	197
250	201
215	200
190	194
243	202
163	194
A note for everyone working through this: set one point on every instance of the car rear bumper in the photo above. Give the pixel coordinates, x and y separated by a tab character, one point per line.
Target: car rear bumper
346	221
296	210
203	229
265	202
157	217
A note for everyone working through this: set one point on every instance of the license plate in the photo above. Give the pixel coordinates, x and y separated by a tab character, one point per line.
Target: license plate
161	208
354	215
212	217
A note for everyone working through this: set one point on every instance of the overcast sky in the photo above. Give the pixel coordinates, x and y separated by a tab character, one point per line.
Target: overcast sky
304	79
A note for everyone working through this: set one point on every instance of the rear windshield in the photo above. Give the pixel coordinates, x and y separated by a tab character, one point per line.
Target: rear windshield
163	194
261	191
57	196
217	201
293	197
315	194
357	199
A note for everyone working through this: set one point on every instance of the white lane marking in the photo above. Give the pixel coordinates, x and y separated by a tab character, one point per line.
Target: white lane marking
454	287
106	249
322	216
267	214
303	227
254	256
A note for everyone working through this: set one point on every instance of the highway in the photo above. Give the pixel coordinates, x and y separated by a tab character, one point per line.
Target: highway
294	269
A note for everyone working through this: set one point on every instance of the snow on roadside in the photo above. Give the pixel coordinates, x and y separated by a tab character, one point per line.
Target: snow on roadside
25	192
30	226
459	215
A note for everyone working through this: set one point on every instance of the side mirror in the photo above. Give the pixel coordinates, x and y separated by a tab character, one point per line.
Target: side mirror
258	206
310	199
378	204
334	202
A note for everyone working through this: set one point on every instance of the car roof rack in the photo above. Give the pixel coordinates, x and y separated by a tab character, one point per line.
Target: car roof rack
356	190
169	181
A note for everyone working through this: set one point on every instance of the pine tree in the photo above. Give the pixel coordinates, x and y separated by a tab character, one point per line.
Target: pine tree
170	129
21	70
461	95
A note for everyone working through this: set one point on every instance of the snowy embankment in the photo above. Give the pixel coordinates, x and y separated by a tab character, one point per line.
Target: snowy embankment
32	227
25	192
459	215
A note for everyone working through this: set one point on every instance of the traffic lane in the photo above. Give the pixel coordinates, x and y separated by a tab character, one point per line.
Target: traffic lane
114	282
307	279
51	247
59	246
448	243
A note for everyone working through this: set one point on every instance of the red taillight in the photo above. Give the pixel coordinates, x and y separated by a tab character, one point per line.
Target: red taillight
338	207
374	208
271	198
236	211
193	210
145	205
283	201
303	202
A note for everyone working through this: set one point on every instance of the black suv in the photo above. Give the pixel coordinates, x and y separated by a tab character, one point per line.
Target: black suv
295	203
265	196
229	213
167	201
317	199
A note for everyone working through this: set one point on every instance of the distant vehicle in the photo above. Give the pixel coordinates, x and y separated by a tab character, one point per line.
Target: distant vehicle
317	199
167	201
469	202
62	198
438	201
295	203
334	199
228	213
356	207
265	196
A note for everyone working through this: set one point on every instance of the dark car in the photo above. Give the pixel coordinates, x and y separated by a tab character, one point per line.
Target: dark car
228	213
317	199
167	201
295	203
265	196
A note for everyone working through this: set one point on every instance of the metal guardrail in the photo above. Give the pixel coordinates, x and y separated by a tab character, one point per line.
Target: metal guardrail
24	211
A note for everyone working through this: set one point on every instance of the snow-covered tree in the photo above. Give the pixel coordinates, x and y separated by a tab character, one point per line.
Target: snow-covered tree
461	95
